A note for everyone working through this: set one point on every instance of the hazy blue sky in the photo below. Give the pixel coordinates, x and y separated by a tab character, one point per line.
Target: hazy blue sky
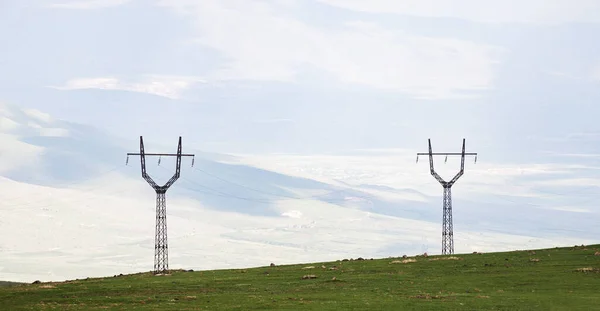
313	76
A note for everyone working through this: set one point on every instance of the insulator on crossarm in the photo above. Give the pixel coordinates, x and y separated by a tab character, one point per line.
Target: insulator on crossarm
159	158
417	158
446	161
475	159
193	159
127	161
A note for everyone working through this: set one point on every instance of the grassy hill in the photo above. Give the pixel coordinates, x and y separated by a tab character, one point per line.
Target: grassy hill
551	279
9	284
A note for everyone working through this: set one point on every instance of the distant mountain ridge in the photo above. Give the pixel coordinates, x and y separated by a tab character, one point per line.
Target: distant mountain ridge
66	152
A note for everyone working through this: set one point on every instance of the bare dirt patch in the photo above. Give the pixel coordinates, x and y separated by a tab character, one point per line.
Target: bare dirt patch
446	258
403	261
427	296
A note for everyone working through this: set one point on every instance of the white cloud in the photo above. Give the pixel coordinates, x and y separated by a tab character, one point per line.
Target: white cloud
88	4
571	209
53	132
33	117
498	170
292	214
387	170
540	12
596	73
6	110
160	85
261	41
564	75
572	182
577	155
584	136
7	124
48	131
38	115
268	121
15	154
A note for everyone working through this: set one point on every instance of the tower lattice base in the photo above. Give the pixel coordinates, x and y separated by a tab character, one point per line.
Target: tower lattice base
161	249
447	230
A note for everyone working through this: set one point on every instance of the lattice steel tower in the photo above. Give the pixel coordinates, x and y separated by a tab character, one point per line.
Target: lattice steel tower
447	225
161	249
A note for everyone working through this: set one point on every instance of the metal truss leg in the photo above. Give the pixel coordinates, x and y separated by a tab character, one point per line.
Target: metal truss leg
447	230
161	249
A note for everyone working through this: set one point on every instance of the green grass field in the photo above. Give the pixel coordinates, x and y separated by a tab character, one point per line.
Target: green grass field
9	284
552	279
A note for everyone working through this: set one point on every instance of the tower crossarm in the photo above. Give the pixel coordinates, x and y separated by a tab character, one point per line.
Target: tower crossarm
147	177
462	163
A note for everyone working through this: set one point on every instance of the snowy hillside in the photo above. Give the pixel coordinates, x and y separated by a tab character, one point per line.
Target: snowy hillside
73	209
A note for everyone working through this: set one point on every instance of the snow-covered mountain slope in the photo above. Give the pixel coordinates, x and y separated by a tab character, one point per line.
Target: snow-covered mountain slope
56	234
73	209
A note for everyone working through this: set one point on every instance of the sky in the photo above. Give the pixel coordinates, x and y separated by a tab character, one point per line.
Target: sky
341	92
313	76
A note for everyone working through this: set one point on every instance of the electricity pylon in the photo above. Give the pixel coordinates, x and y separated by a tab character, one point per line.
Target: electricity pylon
447	225
161	249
